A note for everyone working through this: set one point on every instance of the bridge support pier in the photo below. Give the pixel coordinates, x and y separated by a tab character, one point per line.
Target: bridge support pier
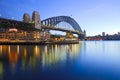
81	37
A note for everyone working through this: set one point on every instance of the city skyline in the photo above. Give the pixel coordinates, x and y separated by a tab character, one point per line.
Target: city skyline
93	16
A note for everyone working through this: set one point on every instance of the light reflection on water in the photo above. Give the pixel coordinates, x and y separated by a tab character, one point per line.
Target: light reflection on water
35	56
89	60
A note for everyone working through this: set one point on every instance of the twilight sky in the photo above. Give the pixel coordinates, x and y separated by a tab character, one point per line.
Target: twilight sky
95	16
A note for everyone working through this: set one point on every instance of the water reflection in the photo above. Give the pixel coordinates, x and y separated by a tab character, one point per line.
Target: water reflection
36	56
1	70
90	60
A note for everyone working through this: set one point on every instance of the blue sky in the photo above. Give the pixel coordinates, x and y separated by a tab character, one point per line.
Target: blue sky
95	16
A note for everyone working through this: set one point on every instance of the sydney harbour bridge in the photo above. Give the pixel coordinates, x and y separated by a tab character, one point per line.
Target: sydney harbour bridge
46	24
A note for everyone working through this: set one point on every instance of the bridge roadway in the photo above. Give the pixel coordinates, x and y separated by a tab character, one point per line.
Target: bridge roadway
11	22
61	29
16	23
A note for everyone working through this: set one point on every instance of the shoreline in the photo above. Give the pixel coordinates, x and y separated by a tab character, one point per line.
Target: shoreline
39	43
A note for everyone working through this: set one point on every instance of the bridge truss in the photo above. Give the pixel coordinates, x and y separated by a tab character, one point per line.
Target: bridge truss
53	21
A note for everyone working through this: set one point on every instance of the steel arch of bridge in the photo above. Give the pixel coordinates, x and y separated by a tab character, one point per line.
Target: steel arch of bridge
56	20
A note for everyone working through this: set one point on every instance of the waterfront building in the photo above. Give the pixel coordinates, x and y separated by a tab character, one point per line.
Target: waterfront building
24	36
47	35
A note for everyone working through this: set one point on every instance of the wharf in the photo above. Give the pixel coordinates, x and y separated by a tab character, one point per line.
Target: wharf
38	43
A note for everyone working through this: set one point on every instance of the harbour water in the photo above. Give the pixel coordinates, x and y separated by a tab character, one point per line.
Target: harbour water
88	60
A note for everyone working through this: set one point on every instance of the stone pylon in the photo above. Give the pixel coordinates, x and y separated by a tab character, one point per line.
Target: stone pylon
36	20
26	18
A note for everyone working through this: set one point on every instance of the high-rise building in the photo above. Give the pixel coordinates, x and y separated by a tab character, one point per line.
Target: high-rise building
84	34
36	19
118	33
26	18
103	34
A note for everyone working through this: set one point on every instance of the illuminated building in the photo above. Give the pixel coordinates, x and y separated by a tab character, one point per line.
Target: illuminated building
22	36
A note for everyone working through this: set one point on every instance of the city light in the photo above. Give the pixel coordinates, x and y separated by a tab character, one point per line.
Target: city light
13	29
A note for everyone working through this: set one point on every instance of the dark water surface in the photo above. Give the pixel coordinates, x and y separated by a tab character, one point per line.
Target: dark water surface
95	60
